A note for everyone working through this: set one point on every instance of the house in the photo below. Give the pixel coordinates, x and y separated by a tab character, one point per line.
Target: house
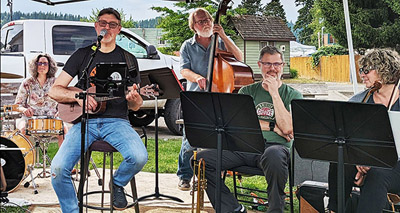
255	32
152	35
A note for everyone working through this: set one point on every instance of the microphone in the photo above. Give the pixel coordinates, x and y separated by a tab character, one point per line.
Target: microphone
103	32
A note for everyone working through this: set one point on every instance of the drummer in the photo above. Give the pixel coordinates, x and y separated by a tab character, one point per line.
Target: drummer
32	98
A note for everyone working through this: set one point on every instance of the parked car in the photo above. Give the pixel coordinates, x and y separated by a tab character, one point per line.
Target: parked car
21	40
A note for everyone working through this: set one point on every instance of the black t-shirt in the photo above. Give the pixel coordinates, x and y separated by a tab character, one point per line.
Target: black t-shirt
116	108
395	106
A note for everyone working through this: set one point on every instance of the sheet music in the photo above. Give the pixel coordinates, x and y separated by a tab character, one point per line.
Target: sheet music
394	117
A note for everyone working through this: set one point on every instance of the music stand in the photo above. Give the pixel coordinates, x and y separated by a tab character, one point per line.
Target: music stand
169	88
343	132
221	121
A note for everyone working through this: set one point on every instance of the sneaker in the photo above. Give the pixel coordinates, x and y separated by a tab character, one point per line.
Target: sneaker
119	199
184	185
242	209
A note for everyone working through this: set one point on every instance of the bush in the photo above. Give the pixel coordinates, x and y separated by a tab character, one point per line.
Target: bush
327	51
293	73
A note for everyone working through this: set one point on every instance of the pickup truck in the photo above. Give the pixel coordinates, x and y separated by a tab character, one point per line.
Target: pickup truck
21	40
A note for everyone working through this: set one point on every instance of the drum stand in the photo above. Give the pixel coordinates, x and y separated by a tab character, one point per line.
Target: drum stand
42	144
26	185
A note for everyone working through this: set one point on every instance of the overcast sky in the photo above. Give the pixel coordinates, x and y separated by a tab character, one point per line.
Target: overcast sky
138	9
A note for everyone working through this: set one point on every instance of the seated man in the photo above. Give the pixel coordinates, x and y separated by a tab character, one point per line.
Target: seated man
112	125
272	100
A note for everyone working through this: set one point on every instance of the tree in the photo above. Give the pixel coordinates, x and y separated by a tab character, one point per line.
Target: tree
275	8
175	23
127	23
252	7
304	20
374	23
17	15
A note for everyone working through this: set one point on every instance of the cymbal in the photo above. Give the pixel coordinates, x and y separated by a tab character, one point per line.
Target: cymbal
9	75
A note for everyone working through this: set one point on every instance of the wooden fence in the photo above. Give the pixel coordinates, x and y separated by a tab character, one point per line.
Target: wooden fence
331	68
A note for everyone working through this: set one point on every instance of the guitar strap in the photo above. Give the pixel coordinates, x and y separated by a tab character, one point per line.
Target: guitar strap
133	67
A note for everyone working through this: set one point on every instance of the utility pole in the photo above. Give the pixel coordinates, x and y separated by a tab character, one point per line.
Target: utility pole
9	3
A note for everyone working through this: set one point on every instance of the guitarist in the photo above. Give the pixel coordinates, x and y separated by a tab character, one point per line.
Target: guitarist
111	126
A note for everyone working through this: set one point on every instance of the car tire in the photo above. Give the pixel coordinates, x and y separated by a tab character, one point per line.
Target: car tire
140	118
172	113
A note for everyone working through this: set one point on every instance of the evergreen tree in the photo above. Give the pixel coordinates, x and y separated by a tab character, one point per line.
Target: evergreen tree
127	23
275	8
374	23
175	22
17	15
252	7
305	18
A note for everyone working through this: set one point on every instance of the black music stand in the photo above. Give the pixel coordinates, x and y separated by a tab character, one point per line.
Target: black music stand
343	132
221	121
169	88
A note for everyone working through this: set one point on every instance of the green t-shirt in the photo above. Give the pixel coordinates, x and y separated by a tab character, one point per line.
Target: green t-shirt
265	108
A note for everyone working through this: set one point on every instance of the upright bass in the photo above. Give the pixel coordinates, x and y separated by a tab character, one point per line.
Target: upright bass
225	73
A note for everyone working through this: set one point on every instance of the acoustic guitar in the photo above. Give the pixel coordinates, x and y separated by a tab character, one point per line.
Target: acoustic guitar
72	112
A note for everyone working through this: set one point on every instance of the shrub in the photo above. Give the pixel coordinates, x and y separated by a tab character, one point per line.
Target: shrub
327	51
293	73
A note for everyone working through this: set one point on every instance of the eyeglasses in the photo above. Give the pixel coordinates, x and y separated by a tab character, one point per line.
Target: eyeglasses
42	63
365	70
276	65
112	24
203	22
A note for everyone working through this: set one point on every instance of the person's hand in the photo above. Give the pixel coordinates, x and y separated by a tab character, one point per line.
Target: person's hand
91	103
220	30
133	95
270	83
201	81
360	176
28	112
279	132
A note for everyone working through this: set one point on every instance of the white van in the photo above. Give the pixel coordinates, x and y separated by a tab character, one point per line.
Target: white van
21	40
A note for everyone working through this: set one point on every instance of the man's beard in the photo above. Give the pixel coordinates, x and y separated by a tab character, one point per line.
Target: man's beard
205	33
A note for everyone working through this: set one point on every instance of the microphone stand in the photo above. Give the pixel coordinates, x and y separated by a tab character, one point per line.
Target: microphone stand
84	82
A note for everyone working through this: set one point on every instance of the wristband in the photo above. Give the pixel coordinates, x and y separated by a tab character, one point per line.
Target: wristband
271	126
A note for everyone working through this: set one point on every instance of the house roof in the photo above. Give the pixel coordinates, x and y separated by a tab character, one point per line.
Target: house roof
261	28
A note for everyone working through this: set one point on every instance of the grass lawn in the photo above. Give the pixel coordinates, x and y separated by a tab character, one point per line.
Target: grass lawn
168	161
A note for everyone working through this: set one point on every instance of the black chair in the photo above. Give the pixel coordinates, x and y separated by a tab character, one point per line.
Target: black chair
251	171
107	149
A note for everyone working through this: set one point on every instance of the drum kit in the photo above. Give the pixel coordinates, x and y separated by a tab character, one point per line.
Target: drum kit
18	154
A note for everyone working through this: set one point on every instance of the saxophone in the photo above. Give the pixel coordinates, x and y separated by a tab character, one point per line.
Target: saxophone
199	183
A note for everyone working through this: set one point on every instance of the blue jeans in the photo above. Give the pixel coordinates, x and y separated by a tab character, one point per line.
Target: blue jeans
185	171
118	133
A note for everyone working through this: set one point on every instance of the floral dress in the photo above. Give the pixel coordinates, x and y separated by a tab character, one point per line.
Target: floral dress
32	94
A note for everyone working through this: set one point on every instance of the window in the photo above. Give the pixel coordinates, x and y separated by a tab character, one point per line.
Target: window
67	39
132	45
12	39
265	43
331	40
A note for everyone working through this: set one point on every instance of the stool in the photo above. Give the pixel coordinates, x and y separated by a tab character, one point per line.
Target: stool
247	170
257	171
106	148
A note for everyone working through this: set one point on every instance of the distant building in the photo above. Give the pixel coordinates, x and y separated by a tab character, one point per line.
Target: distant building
255	32
297	49
328	40
152	35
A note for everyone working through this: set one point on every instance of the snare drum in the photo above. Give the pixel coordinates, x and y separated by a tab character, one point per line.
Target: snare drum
17	152
44	126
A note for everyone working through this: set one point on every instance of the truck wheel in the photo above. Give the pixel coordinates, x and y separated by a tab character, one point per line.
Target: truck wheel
140	118
172	113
